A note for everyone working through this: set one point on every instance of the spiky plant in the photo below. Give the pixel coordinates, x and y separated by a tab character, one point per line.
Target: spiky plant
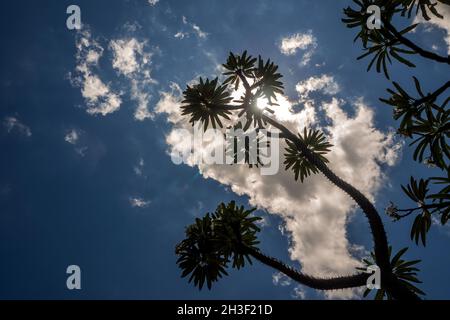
230	233
316	143
423	117
404	270
207	102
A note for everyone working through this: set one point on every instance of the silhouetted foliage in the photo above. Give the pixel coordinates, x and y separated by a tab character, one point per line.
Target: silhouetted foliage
230	233
316	142
424	117
211	242
404	270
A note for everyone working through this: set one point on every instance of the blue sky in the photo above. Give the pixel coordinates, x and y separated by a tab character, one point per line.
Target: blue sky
100	190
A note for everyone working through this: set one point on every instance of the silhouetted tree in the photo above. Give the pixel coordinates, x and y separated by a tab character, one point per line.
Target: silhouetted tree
424	118
229	235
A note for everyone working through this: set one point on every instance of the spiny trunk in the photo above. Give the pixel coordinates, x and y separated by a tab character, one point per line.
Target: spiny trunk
397	289
354	281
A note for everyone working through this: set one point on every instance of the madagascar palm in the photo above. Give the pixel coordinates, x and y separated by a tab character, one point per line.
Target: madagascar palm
230	232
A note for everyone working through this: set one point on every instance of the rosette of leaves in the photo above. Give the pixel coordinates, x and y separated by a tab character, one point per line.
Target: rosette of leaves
423	6
405	108
206	102
428	204
405	271
267	80
357	18
424	118
294	159
384	47
417	191
236	229
433	131
238	65
199	254
252	115
212	241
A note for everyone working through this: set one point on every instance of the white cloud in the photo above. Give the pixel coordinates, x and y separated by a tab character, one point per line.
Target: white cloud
199	32
324	83
99	97
139	168
280	279
138	94
315	212
169	103
126	53
72	137
195	29
181	35
152	2
436	22
137	202
129	58
132	61
299	293
13	124
306	42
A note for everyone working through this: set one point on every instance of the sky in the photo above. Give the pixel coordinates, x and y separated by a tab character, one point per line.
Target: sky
89	120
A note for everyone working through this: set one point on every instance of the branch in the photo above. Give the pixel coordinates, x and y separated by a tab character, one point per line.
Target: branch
357	280
432	97
244	81
416	48
399	291
232	108
376	224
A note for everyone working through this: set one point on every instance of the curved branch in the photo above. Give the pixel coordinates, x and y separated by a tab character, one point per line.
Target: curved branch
354	281
381	248
376	225
375	222
416	48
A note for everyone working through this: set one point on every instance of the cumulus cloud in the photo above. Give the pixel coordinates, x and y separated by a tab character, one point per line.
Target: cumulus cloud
436	22
13	124
99	97
126	53
305	42
169	104
132	61
315	213
137	202
325	83
153	2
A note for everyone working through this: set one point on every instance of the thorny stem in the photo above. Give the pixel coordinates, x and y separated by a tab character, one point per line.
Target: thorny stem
398	290
354	281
